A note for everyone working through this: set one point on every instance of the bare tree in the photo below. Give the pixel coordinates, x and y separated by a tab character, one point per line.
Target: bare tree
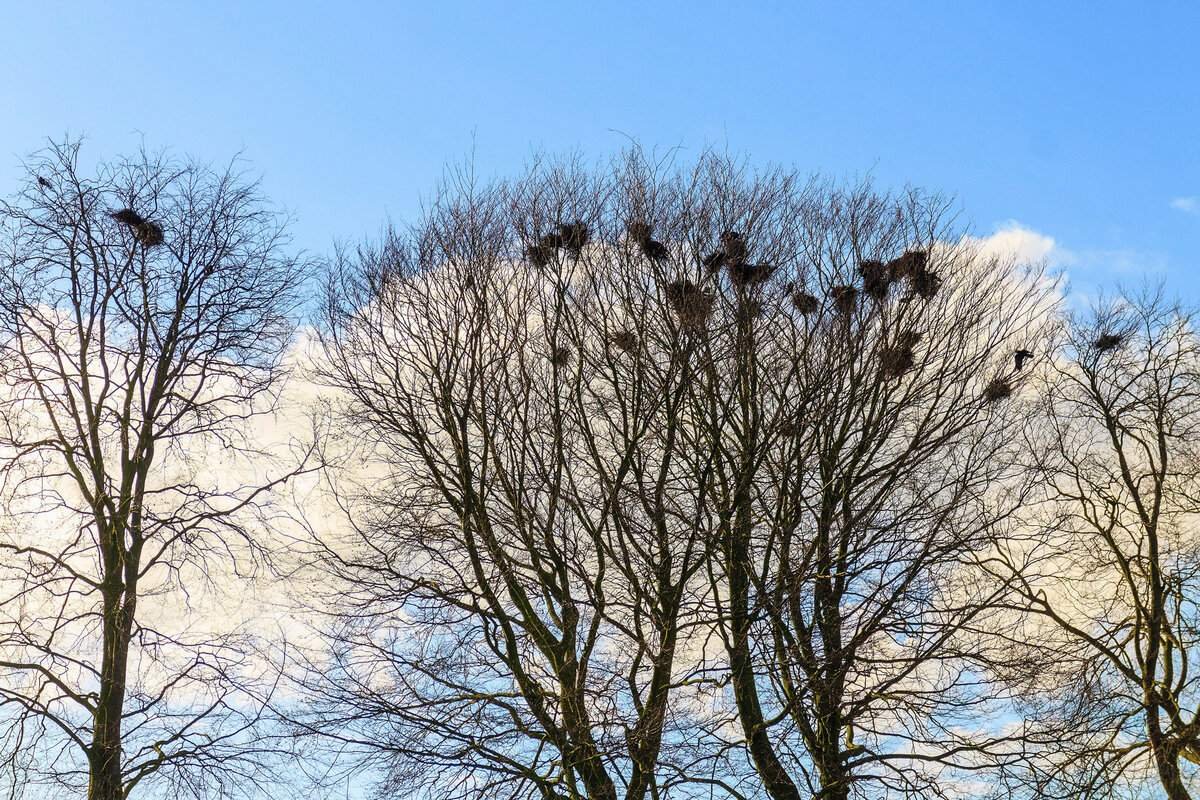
1106	576
682	476
144	313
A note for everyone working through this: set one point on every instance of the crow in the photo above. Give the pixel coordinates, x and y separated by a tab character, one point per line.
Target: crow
1021	356
45	184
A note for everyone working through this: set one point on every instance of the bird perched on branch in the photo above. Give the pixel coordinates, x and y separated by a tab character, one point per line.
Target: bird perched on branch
127	216
1021	356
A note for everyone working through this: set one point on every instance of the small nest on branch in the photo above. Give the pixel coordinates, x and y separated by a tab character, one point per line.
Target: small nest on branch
690	303
999	389
745	275
643	235
127	216
733	247
844	298
561	356
1108	341
913	262
574	236
150	234
805	303
895	361
624	340
541	253
876	280
926	284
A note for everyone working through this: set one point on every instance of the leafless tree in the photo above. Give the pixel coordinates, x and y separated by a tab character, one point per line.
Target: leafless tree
669	508
144	313
1108	572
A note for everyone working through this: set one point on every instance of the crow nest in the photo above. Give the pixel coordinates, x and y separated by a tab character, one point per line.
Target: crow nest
1106	342
804	302
561	356
574	236
691	304
745	275
732	252
999	389
542	252
641	234
899	358
624	340
876	278
148	233
844	298
914	265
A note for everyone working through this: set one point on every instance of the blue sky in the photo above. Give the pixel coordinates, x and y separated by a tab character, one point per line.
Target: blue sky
1078	120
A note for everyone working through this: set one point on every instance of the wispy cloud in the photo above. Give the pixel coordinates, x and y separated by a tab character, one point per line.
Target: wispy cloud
1188	205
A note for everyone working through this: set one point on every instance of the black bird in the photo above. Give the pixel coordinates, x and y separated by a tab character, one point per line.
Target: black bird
643	235
45	184
1021	356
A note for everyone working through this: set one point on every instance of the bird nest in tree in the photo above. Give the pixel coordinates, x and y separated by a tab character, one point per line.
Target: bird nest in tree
895	361
127	216
150	234
926	284
542	252
1108	341
691	304
733	246
998	389
574	236
561	356
745	275
624	340
844	299
876	280
907	265
805	303
641	234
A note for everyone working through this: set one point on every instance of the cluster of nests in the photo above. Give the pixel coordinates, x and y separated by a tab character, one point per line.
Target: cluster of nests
693	305
147	232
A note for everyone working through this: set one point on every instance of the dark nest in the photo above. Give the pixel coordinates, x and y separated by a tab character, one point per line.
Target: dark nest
911	263
895	361
574	236
926	284
1108	341
998	389
150	234
844	298
876	281
624	340
733	247
805	303
744	275
643	235
127	216
542	253
561	356
691	304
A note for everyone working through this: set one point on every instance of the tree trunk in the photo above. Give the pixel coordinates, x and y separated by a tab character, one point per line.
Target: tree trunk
104	757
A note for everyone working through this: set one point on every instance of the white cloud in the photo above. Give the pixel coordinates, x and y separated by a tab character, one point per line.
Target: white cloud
1011	239
1188	205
